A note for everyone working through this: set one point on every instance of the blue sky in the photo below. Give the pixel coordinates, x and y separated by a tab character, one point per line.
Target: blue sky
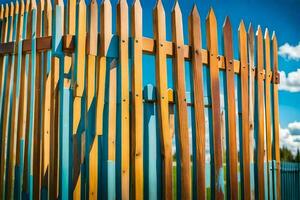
278	15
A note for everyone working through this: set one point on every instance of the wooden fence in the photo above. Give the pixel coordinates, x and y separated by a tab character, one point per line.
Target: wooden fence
290	180
77	120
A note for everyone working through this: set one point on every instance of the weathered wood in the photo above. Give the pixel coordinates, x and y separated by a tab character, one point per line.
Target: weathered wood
182	114
90	92
122	32
268	79
232	170
162	96
259	116
37	117
216	149
251	99
276	115
22	110
137	102
197	71
15	104
5	102
46	100
105	38
244	102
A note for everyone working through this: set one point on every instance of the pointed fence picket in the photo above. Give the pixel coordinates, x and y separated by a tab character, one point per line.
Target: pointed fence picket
77	121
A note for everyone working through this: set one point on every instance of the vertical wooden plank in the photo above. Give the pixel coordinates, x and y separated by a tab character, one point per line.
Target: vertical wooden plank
251	106
137	102
244	101
79	67
112	131
5	32
232	184
54	102
79	73
1	20
122	32
197	71
181	105
268	74
37	109
90	88
46	100
7	68
159	25
32	102
15	105
259	116
22	107
105	37
212	46
276	114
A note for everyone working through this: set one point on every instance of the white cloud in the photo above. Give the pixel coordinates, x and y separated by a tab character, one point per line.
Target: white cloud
289	51
288	139
294	128
290	82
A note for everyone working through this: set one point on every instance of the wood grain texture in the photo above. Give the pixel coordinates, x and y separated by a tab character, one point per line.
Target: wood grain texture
231	112
162	97
137	102
259	104
212	46
5	101
197	70
46	102
90	88
15	104
244	102
276	115
105	38
37	109
181	105
122	32
267	106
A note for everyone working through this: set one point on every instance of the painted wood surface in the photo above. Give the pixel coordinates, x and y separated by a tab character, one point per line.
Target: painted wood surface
232	171
162	94
244	102
259	117
78	122
216	148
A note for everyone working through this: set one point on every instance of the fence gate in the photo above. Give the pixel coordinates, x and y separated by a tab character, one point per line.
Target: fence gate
78	120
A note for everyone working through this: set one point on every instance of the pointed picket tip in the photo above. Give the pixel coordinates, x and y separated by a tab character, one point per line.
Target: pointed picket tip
259	31
33	4
6	10
81	3
17	7
274	38
211	18
122	2
137	4
250	30
27	5
175	6
211	14
242	28
11	9
267	37
195	12
227	24
159	5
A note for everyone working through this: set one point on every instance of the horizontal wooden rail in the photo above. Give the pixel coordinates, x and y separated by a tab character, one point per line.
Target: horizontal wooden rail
45	43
